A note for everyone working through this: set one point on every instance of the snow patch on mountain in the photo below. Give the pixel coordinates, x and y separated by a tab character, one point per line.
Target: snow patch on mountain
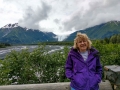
8	26
11	25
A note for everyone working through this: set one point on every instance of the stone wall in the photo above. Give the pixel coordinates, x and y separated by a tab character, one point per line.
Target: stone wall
50	86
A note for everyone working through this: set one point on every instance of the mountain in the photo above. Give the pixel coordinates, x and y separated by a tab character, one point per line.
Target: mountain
99	31
15	34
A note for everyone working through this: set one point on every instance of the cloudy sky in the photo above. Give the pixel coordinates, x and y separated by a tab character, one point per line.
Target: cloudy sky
58	16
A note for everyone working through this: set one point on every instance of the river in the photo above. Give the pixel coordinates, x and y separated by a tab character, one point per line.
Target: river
7	50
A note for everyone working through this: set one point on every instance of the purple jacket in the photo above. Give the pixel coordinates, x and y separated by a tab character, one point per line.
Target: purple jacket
84	75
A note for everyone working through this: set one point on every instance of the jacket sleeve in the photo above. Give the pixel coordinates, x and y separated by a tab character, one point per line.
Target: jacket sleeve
98	69
69	67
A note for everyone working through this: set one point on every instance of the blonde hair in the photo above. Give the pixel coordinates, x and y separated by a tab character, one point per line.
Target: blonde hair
79	37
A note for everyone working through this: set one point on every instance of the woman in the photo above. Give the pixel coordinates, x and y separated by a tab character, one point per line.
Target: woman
83	66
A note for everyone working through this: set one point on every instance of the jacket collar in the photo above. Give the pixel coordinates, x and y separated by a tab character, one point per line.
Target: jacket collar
92	53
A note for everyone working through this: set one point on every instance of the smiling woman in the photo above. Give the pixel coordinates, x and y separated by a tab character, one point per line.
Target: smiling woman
82	42
83	65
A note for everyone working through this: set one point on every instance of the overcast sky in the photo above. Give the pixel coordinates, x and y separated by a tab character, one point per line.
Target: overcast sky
58	16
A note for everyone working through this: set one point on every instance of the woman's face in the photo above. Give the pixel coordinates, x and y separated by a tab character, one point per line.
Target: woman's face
82	45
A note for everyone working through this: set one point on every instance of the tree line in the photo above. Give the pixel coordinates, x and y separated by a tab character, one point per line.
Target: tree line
113	39
3	45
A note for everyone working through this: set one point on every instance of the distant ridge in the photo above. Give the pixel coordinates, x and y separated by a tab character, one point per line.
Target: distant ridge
15	34
99	31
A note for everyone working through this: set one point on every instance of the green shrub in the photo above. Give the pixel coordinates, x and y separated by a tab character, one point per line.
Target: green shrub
39	66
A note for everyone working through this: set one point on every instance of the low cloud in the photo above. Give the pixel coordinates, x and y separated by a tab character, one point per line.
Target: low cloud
31	17
59	16
99	11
